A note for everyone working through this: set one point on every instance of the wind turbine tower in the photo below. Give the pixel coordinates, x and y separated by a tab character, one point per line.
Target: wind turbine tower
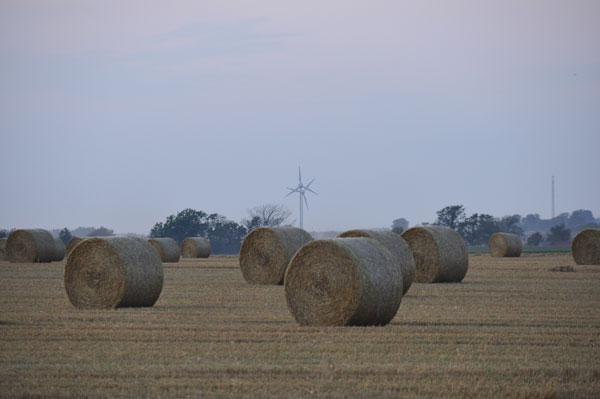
301	189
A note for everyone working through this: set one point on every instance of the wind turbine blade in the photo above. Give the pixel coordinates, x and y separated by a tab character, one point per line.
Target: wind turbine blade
314	192
290	193
305	201
299	176
311	182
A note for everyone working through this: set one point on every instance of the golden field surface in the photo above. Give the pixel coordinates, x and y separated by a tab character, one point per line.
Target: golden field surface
514	328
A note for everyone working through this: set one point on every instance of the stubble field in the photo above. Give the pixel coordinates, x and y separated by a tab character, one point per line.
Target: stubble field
513	329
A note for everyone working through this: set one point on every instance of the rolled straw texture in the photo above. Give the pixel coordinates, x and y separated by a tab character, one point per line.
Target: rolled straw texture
113	272
59	253
195	247
343	282
585	247
72	244
399	249
2	248
167	249
505	245
440	254
30	245
266	253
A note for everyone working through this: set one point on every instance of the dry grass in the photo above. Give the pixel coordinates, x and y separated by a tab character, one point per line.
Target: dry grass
72	244
511	329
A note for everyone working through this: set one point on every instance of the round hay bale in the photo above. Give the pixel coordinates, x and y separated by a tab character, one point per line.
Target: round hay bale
195	247
113	272
59	253
2	248
266	253
167	249
30	245
400	250
72	244
586	247
440	254
505	245
343	282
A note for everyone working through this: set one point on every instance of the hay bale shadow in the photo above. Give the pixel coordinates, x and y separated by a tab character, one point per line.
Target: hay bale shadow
562	269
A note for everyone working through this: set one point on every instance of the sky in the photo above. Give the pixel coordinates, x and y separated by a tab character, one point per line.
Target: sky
120	113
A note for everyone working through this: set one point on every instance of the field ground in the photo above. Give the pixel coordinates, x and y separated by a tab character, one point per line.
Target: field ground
527	249
513	329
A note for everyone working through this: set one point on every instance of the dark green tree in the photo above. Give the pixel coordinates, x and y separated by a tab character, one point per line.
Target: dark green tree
451	216
562	218
488	226
579	217
531	222
468	228
225	236
187	223
65	235
510	224
535	239
559	233
478	228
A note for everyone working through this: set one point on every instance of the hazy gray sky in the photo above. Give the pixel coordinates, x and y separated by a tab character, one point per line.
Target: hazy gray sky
120	113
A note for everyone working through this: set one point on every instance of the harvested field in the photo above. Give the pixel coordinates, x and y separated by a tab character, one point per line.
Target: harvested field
512	329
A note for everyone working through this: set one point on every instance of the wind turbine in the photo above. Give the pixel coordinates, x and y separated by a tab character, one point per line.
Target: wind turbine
301	189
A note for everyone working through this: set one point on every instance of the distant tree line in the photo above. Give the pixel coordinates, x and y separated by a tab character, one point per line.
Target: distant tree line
225	235
477	229
65	234
577	221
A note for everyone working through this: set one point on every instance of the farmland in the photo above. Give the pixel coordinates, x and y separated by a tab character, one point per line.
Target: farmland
514	328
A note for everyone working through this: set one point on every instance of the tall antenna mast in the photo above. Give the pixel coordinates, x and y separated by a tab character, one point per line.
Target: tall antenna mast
301	189
552	196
